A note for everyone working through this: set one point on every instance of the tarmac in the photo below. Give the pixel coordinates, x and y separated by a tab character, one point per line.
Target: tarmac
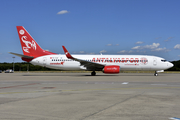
79	96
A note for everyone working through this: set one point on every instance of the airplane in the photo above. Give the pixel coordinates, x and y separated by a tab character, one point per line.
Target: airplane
109	64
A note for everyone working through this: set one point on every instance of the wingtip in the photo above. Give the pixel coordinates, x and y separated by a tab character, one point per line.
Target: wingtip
68	55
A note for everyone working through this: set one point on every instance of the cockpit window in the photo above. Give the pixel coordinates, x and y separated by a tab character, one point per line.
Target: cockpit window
164	60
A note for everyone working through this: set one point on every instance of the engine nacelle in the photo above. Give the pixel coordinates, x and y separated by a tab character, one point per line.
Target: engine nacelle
111	69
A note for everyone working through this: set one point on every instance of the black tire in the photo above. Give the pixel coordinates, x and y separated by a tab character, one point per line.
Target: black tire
93	73
155	74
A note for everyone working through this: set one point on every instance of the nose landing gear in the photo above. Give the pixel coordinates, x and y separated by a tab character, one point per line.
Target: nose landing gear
155	74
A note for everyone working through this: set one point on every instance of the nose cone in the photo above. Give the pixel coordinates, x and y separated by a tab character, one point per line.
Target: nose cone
170	65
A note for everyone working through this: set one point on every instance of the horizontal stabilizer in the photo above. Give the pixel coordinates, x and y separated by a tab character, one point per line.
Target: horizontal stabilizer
22	56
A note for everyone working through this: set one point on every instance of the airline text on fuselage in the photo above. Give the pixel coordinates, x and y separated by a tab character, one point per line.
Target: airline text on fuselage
121	60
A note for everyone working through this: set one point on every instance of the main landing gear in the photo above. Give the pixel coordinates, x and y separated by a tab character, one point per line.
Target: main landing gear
155	74
93	73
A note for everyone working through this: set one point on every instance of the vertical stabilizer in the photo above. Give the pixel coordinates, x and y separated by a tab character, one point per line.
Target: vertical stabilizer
29	45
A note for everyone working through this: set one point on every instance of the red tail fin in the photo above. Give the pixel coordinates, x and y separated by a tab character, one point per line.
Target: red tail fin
29	45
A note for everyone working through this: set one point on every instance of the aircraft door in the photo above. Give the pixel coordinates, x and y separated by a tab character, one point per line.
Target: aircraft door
44	61
154	61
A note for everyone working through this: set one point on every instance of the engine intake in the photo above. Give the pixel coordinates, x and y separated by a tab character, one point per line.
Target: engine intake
111	69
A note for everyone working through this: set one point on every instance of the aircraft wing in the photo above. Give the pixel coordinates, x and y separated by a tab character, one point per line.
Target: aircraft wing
22	56
89	65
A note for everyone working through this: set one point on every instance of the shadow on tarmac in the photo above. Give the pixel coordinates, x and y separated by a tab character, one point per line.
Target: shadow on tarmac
89	75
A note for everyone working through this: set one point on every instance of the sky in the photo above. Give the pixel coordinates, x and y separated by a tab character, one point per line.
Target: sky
122	27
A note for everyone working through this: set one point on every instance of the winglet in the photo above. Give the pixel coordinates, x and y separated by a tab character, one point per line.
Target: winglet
68	55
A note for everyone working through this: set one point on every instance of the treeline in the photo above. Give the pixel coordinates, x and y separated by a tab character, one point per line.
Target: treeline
24	66
176	66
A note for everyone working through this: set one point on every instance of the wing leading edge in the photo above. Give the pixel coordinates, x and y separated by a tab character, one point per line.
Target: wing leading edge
87	64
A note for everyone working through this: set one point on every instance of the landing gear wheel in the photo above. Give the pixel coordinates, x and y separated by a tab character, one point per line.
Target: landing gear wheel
155	74
93	73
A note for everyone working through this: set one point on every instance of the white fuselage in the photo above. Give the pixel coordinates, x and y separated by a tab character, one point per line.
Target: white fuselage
126	62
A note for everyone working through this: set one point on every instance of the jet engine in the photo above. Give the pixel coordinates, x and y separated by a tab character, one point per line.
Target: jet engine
111	69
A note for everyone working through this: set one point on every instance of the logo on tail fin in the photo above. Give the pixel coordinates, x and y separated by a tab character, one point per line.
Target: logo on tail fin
21	32
28	44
